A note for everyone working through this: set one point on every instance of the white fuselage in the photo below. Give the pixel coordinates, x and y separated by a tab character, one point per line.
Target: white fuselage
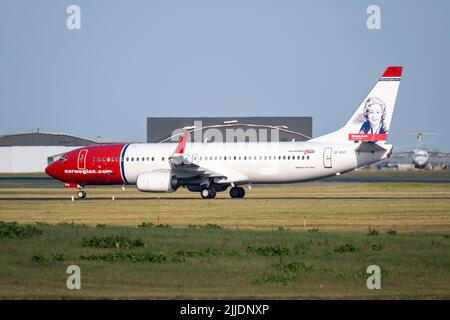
252	162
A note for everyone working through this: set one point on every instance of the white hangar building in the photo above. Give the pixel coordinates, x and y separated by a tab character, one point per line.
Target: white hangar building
32	152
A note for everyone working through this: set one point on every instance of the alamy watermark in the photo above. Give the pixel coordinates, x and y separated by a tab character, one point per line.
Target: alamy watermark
74	280
229	133
73	21
374	281
373	22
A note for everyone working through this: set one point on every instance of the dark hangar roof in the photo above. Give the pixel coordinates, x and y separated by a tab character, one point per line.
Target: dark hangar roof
43	139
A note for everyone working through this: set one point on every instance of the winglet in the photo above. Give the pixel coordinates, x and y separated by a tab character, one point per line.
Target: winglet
182	143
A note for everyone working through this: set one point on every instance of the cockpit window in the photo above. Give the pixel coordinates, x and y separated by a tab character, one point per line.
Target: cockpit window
63	158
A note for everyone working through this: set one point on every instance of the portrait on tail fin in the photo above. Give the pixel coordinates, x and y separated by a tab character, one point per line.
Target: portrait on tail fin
374	116
373	119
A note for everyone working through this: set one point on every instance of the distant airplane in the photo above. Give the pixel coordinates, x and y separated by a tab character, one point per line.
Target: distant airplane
421	157
214	167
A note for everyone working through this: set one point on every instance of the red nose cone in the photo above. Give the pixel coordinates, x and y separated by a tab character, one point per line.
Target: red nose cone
49	170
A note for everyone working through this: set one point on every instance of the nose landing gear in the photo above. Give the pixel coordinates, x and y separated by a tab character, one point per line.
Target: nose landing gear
81	194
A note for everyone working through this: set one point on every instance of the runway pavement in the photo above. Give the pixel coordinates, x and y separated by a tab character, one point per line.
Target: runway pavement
353	177
194	197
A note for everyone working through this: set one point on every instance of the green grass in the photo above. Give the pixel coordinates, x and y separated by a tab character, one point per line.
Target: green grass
300	241
222	263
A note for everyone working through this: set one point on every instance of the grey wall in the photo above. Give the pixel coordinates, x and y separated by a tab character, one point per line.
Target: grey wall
160	128
43	139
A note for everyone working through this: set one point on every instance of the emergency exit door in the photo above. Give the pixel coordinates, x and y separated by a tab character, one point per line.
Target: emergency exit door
327	157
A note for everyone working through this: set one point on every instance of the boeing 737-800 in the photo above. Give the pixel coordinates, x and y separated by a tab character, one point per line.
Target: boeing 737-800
214	167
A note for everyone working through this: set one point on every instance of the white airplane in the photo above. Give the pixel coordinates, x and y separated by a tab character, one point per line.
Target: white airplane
214	167
421	157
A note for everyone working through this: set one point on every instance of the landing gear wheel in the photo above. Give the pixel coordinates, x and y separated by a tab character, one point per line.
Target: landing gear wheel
208	193
81	194
237	192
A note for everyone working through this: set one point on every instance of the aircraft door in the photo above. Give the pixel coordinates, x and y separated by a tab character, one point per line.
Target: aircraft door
81	163
327	157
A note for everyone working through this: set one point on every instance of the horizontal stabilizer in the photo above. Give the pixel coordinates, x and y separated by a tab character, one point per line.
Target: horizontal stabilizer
369	146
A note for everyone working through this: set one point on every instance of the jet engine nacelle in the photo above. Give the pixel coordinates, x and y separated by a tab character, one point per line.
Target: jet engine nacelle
157	181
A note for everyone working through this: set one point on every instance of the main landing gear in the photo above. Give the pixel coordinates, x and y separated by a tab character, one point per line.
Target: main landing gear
208	193
81	194
237	192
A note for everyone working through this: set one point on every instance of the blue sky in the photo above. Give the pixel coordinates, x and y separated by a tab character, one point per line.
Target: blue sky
133	59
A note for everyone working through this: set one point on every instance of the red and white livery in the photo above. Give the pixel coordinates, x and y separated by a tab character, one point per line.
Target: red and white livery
214	167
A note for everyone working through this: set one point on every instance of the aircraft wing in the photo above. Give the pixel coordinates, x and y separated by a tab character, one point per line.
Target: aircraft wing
410	154
438	154
402	154
183	167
